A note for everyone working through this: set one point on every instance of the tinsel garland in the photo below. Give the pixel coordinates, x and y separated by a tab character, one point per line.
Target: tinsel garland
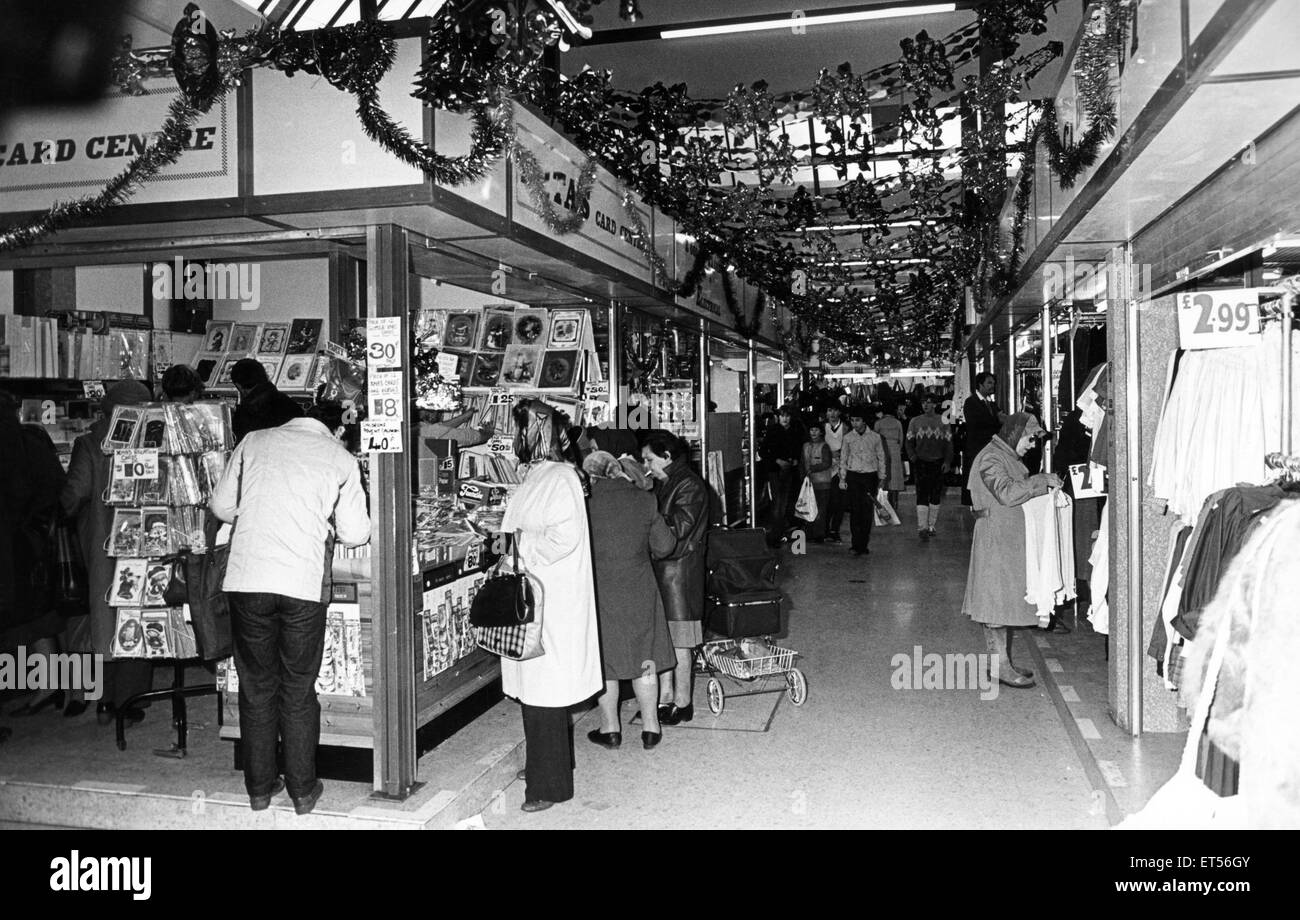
746	327
534	179
1097	51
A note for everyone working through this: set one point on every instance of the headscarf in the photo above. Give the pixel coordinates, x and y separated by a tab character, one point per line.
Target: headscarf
124	393
1014	428
600	464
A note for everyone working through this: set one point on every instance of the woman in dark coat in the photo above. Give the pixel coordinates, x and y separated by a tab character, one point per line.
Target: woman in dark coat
29	503
995	584
684	503
626	530
83	500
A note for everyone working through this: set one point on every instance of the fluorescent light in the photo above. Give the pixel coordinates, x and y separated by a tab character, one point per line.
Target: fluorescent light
787	22
823	228
857	263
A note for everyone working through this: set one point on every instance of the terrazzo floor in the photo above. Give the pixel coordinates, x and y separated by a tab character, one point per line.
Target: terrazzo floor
858	753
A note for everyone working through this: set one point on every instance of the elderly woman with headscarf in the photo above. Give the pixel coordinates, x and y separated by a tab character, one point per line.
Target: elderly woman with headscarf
995	584
83	500
548	516
626	531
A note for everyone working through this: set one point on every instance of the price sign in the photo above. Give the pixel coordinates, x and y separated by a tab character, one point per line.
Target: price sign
597	390
472	557
141	463
384	395
93	389
498	444
335	350
381	436
448	364
499	396
384	341
1218	319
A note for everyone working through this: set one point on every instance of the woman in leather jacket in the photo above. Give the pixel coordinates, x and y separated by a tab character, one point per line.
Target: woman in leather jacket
684	503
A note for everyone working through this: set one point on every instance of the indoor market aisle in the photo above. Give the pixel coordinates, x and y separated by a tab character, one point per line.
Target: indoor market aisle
858	753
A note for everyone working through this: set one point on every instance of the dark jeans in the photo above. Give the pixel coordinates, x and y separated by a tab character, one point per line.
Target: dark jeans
279	642
862	506
549	758
781	483
929	482
835	511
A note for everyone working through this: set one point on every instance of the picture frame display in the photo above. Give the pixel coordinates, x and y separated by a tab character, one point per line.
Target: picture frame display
498	330
521	366
244	338
559	369
274	339
295	373
530	327
566	329
304	336
461	332
217	337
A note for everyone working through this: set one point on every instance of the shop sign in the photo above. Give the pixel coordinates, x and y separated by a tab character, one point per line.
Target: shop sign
52	154
384	342
141	463
1218	319
384	394
381	436
606	234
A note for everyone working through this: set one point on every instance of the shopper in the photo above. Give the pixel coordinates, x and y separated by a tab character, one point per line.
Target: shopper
548	516
626	530
929	448
684	503
290	492
182	384
834	431
996	580
261	405
862	460
982	419
29	505
780	450
83	500
891	428
816	466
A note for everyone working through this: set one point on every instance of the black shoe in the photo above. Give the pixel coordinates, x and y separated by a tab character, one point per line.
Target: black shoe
675	715
304	805
263	802
650	739
75	708
535	805
610	740
55	699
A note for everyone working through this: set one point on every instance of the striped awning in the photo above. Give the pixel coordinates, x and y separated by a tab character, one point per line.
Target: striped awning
307	15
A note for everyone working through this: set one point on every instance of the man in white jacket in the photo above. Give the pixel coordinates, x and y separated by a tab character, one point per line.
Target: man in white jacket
290	492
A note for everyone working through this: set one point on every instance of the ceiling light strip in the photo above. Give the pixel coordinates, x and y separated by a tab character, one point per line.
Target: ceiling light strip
787	22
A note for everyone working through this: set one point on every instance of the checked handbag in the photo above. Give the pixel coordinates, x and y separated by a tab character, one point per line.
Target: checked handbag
516	641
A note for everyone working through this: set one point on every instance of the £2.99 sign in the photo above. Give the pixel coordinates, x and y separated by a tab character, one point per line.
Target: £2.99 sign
1218	319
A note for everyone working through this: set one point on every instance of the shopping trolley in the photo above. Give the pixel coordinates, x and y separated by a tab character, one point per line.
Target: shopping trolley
743	609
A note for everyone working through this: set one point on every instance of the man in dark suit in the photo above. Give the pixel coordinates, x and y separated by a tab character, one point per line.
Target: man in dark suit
261	405
983	419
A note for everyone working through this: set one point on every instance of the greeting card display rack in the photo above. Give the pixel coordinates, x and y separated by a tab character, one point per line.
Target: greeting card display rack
167	459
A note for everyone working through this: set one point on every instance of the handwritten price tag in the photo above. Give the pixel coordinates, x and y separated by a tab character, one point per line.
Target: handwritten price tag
597	390
499	396
500	445
384	393
384	341
93	389
472	557
381	436
141	463
1218	319
335	350
448	364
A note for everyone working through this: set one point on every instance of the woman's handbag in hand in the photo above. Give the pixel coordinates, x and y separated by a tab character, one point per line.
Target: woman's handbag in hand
507	612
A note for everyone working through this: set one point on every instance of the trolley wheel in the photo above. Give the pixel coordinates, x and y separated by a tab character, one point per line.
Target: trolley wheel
796	686
717	698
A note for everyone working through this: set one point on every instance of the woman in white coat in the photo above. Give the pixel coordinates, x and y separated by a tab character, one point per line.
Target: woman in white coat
548	515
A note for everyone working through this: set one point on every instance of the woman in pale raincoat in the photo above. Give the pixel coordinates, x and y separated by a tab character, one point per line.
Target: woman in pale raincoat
996	584
548	515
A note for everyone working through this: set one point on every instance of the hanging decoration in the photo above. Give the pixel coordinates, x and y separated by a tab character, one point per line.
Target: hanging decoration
534	178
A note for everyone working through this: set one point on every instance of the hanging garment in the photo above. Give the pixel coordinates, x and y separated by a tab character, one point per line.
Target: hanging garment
1213	432
1049	552
1099	583
1253	719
